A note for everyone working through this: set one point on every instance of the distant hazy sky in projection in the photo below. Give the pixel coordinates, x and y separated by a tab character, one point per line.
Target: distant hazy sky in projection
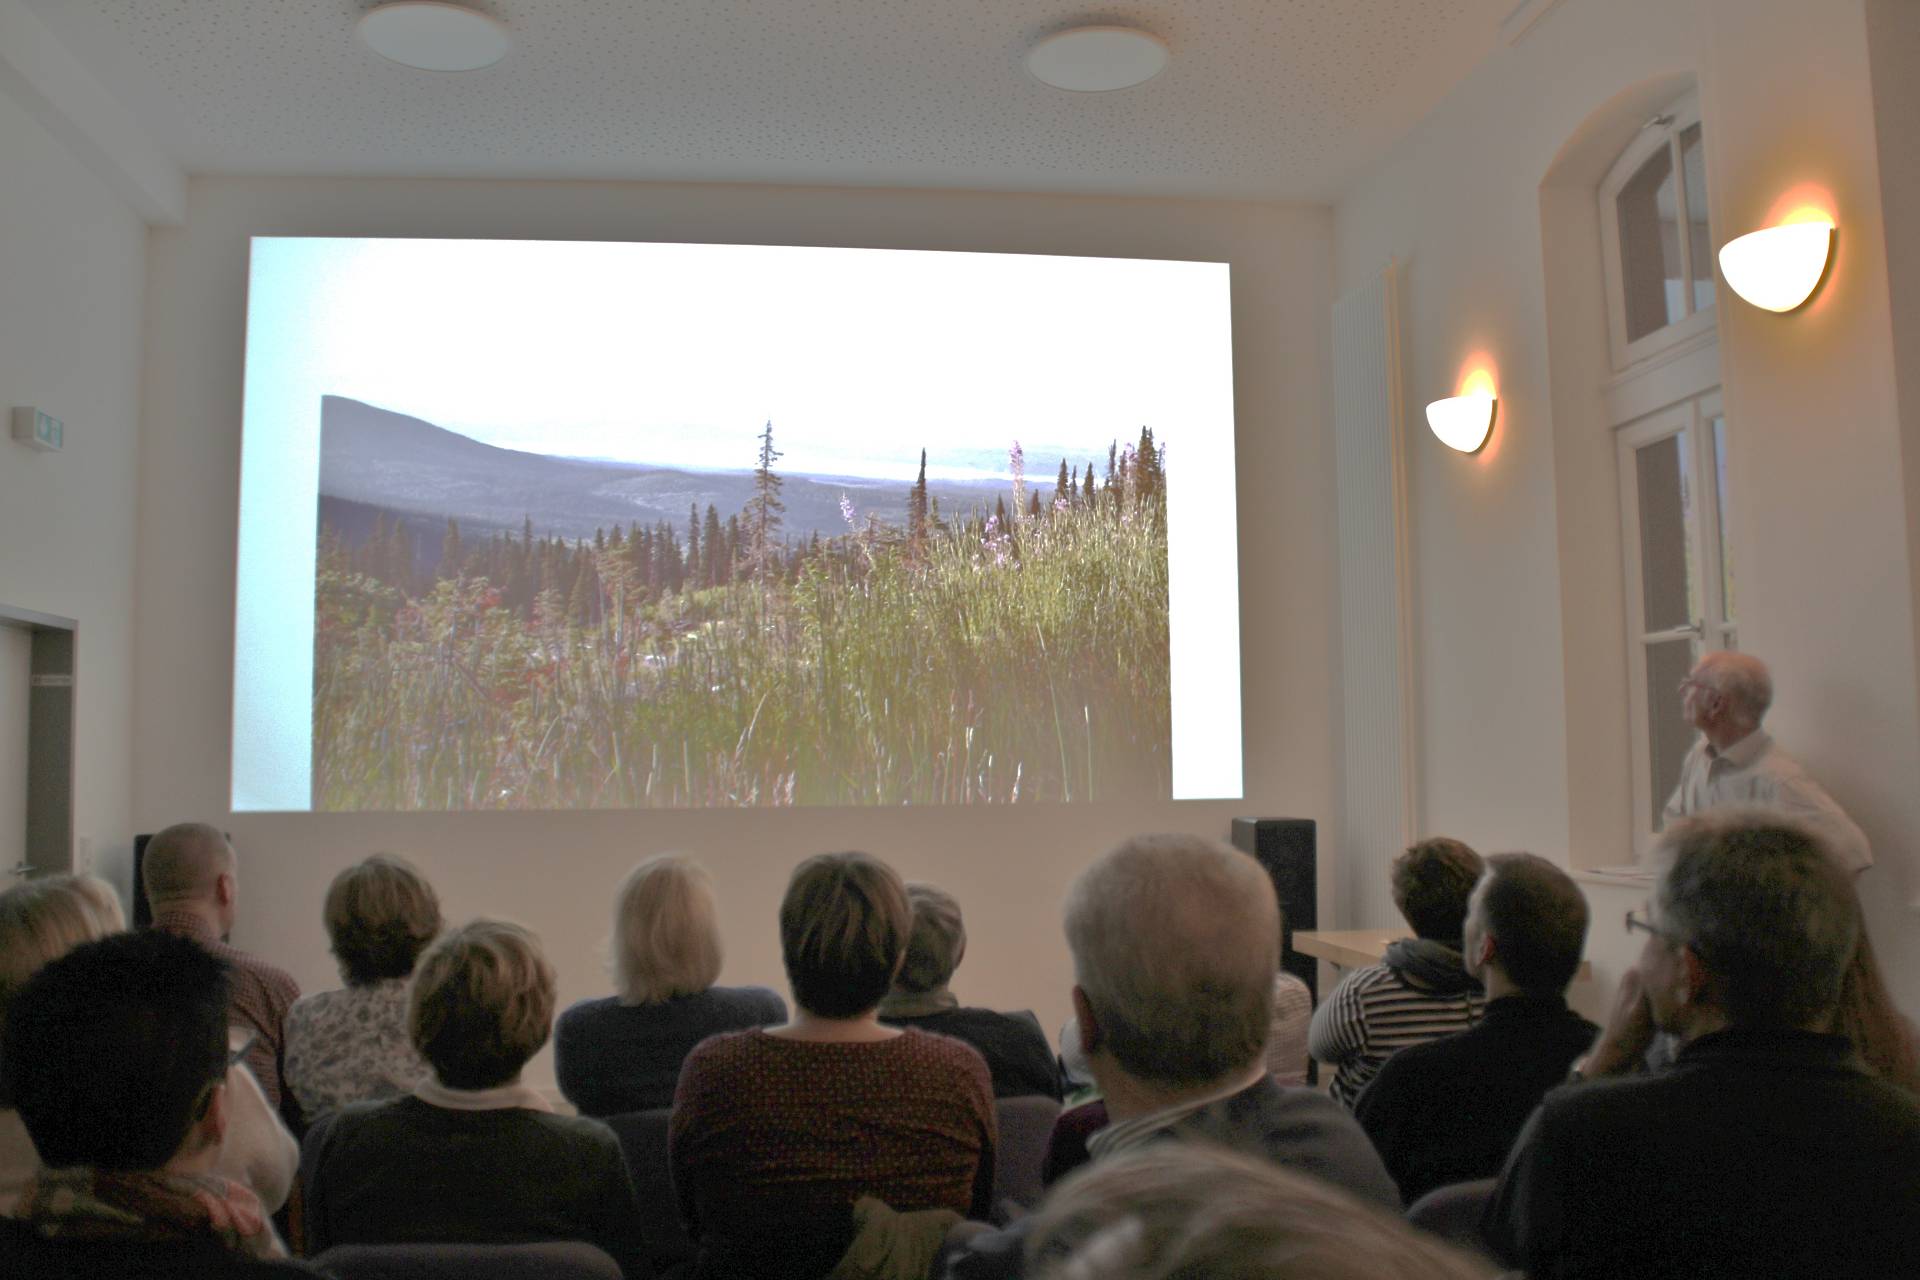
675	354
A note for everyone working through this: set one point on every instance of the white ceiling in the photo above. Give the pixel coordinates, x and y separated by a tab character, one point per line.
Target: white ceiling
1267	99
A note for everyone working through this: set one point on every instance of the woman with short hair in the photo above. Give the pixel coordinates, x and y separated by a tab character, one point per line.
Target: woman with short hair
351	1045
42	920
623	1052
472	1156
777	1133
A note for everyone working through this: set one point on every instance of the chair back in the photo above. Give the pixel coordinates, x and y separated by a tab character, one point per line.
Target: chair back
545	1260
1453	1212
1025	1124
643	1141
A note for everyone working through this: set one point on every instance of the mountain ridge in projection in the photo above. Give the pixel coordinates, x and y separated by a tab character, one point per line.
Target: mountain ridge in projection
378	458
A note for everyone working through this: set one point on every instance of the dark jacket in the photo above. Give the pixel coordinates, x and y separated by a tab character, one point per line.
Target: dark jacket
24	1253
1016	1049
1449	1110
612	1058
1757	1153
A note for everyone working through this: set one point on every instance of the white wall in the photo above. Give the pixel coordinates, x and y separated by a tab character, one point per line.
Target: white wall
1504	541
556	871
72	274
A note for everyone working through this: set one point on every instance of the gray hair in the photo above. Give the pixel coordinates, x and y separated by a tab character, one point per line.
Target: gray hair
1175	942
1766	907
938	940
1742	680
1190	1211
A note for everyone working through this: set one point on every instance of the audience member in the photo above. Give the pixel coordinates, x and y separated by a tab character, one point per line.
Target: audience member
1736	762
42	920
1013	1044
1885	1038
352	1045
1449	1110
1193	1211
1421	990
1766	1148
776	1133
116	1056
623	1052
193	886
472	1156
1175	942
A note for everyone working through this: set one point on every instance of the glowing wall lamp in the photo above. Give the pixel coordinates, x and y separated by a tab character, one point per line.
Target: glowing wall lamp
1778	269
1463	421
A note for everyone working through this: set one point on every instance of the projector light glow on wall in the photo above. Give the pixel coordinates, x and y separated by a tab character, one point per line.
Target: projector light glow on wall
1463	422
1777	269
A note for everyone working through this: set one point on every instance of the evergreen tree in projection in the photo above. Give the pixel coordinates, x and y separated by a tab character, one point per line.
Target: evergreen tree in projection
917	509
581	601
1033	505
600	539
695	579
1113	473
450	550
710	548
1149	481
616	540
1086	492
762	514
1062	485
1000	513
730	558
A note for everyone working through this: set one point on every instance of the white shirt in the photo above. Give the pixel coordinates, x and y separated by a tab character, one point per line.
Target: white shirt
1755	771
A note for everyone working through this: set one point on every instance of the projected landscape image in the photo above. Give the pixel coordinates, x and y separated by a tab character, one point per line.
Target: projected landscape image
509	628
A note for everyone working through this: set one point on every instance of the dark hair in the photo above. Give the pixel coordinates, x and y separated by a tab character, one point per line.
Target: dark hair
1432	881
481	1004
1768	910
939	938
113	1049
843	930
1537	917
380	915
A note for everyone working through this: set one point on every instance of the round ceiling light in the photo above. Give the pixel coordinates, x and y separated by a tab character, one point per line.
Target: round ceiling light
1096	59
434	36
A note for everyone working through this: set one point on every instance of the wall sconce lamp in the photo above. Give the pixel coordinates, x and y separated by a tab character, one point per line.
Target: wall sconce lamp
1778	268
1462	422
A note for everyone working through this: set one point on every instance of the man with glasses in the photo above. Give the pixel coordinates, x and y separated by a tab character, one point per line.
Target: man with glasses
1736	762
1765	1148
116	1058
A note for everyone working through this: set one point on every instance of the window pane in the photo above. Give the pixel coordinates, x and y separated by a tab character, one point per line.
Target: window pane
1693	167
1648	211
1668	590
1668	663
1721	517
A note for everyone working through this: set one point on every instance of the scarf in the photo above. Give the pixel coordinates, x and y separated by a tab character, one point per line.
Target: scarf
1430	966
148	1206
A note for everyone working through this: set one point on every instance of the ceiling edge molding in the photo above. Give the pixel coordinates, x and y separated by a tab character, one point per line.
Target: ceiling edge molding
1525	14
37	72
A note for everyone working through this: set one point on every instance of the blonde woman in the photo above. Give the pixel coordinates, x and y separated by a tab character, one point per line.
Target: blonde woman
42	920
623	1052
351	1045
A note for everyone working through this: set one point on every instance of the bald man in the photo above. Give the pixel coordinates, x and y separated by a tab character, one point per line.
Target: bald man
192	880
1736	762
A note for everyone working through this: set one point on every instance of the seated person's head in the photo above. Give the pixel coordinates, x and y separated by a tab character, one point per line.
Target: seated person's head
843	930
380	914
116	1054
1755	924
938	941
666	931
1175	942
1191	1211
1528	919
42	920
1432	881
481	1005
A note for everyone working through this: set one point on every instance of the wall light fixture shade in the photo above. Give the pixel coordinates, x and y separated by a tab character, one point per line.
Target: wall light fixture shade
1778	269
1462	422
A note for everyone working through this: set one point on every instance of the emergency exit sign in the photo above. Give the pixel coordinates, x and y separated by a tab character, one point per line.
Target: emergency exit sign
38	428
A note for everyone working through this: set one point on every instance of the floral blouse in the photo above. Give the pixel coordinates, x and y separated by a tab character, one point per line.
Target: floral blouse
351	1045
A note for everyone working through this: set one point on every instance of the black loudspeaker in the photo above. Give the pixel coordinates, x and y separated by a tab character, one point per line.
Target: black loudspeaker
142	913
1286	848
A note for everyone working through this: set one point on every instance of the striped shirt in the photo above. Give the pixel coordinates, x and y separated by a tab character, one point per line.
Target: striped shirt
1372	1014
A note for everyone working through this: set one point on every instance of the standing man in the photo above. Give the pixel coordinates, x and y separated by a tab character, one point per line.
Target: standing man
1736	762
193	886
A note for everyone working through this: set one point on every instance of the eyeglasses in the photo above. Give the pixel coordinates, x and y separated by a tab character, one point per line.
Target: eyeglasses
233	1058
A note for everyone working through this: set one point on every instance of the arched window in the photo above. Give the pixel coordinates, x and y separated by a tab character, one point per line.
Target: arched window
1659	255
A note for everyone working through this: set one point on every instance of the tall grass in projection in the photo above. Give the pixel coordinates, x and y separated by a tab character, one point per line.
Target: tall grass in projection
1014	650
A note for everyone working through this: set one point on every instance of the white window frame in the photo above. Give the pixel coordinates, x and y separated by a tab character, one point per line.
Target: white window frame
1713	629
1680	116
